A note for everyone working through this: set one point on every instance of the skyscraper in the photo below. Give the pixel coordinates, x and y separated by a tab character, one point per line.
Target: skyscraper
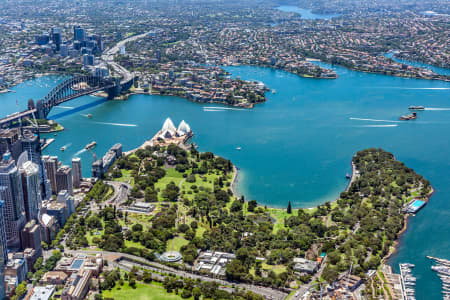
10	142
76	168
31	189
78	33
51	166
30	143
12	193
31	237
57	37
64	180
3	252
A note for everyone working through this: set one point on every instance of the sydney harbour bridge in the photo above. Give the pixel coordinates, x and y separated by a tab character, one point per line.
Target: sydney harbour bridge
78	86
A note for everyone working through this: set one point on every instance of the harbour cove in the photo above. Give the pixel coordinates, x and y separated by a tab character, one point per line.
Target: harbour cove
295	147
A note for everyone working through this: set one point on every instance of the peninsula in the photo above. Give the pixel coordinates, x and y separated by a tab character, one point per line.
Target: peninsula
181	208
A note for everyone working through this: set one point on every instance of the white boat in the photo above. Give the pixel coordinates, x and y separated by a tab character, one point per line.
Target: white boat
238	148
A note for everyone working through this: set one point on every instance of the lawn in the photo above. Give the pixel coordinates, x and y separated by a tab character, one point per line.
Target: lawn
279	215
126	177
176	243
141	292
171	175
278	269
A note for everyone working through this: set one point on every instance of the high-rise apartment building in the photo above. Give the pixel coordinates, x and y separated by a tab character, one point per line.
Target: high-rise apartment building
12	193
30	143
76	169
64	180
10	142
51	167
31	189
31	237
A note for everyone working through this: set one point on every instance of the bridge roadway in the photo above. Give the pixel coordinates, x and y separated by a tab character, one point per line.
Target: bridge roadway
108	57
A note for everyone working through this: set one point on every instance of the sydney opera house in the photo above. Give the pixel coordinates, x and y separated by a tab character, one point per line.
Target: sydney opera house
170	134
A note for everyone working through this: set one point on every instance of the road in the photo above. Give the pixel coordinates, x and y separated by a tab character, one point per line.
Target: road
268	293
127	267
302	291
121	192
108	57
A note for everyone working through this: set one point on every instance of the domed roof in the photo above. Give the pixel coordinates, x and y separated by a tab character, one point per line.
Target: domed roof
183	128
168	126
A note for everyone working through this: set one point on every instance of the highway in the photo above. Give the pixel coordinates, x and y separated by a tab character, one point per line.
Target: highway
108	57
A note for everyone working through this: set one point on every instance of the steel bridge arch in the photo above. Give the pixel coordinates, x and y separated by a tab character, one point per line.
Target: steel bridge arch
66	91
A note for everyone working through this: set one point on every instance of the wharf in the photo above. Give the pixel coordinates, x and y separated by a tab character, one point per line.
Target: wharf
46	143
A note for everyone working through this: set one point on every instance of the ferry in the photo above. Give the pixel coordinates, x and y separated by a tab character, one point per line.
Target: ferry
409	117
413	107
63	148
91	145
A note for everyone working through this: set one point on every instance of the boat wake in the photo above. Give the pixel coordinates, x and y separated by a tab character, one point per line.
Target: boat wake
426	88
380	126
375	120
80	152
65	107
67	146
116	124
213	109
221	108
84	115
408	88
437	108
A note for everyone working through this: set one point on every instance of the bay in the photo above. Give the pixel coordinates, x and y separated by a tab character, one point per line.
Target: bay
297	146
306	14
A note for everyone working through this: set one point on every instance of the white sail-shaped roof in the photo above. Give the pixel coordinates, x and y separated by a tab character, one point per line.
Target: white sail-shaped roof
183	128
168	126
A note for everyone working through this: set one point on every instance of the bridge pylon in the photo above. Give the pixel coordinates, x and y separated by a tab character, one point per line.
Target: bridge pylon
115	90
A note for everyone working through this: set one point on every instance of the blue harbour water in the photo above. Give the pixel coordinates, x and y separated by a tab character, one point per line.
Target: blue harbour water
306	14
438	70
297	146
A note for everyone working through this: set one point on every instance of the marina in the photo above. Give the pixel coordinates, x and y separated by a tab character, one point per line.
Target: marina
442	268
408	281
